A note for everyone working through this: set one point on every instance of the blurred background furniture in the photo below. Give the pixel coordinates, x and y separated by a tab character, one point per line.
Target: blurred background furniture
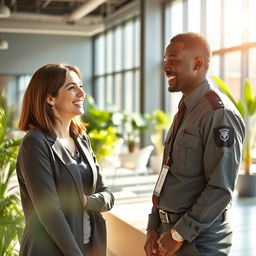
137	160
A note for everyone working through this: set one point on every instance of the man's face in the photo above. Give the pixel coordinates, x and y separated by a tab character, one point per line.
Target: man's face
179	68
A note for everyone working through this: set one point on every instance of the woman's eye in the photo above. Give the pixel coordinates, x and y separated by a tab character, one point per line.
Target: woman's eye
71	88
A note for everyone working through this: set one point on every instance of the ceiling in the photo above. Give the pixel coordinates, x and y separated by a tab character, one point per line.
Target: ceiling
61	17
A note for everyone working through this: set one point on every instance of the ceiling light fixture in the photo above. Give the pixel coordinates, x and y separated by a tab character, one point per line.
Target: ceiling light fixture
3	44
4	10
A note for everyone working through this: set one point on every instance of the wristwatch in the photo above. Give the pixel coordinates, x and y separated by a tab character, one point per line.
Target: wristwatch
176	236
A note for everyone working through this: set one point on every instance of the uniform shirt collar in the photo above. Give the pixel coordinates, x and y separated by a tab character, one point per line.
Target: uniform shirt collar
195	96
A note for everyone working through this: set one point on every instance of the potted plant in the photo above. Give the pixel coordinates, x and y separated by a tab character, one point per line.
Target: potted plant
133	125
246	183
11	217
159	122
101	129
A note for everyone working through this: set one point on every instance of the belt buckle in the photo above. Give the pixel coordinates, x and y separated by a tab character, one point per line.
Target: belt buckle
164	216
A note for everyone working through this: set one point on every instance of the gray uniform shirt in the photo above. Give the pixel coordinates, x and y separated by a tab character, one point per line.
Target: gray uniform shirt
205	160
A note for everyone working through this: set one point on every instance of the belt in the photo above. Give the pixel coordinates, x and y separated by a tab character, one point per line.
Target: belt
168	217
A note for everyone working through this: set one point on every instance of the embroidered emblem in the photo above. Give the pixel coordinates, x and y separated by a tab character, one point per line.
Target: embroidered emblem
224	136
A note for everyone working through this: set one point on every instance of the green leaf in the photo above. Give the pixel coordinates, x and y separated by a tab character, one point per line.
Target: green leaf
241	108
224	88
158	121
11	217
253	106
248	93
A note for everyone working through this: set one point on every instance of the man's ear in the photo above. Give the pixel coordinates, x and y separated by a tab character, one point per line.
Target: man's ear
198	63
50	100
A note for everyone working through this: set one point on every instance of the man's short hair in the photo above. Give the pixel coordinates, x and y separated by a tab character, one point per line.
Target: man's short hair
194	41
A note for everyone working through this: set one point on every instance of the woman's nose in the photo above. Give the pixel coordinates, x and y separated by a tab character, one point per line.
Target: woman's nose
81	92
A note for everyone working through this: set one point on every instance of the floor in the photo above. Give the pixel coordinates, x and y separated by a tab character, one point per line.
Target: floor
133	203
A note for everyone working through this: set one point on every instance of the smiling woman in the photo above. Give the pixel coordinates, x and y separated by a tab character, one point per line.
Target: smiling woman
62	190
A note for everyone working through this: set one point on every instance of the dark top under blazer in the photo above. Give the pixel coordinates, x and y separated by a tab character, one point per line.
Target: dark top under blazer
52	195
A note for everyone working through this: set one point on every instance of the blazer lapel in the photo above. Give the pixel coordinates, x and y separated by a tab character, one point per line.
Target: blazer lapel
85	150
69	163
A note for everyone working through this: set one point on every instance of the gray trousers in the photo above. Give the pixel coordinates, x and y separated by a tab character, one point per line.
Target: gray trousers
214	241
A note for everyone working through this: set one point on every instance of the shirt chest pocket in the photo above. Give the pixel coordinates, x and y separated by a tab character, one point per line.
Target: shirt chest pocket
187	155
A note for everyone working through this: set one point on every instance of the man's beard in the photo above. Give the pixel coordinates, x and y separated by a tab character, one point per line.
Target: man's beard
173	88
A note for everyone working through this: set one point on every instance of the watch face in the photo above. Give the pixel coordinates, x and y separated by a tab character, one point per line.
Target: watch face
176	236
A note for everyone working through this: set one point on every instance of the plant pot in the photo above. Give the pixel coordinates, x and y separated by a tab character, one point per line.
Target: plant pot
132	148
246	185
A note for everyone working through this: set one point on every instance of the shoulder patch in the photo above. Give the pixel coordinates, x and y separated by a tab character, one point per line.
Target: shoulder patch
224	136
214	100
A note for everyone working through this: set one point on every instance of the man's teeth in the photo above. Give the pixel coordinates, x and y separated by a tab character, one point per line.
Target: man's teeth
171	77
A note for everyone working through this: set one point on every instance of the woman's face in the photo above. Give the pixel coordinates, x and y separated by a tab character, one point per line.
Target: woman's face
69	101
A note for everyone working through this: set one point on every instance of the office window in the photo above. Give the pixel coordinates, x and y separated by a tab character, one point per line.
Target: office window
12	88
118	48
129	45
22	85
215	66
109	90
100	96
100	55
167	23
116	72
137	90
118	91
232	22
137	43
109	52
213	19
232	74
252	68
128	91
176	18
252	20
194	15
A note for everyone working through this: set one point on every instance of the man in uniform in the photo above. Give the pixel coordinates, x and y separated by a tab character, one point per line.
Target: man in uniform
202	155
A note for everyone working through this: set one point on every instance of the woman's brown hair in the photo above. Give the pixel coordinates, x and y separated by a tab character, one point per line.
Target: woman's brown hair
36	113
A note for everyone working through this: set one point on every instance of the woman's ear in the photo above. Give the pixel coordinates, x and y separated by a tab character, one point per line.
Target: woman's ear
199	62
50	100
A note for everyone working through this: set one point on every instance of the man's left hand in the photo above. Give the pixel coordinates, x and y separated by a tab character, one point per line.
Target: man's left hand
167	246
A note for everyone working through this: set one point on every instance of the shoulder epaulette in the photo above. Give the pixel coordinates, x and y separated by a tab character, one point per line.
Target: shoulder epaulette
214	100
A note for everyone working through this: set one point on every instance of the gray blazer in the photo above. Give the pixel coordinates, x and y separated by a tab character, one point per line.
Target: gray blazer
51	193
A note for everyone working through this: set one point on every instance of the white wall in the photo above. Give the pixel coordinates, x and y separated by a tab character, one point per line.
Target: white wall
28	52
